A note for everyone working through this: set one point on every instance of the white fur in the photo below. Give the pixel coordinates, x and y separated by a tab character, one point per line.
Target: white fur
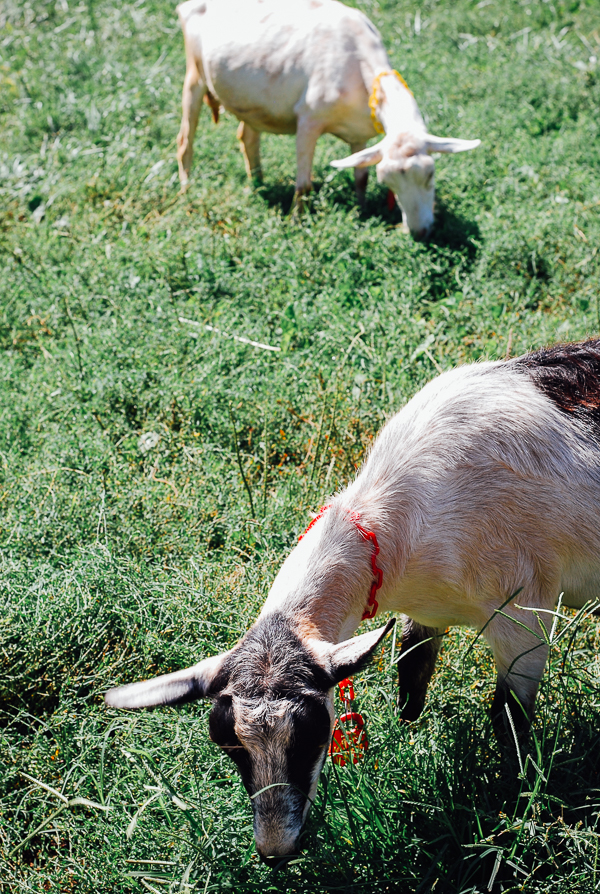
479	487
308	67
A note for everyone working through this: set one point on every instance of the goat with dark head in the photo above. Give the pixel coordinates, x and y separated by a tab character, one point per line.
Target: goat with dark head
486	484
272	714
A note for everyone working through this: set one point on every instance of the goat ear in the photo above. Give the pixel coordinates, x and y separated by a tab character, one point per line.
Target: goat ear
199	681
372	155
349	657
448	144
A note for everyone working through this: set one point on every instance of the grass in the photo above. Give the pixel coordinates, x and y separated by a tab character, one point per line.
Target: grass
154	474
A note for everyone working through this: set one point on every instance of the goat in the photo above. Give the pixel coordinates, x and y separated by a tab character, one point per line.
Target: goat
309	67
486	483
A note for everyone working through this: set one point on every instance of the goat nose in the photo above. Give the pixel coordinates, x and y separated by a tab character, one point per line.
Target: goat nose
279	860
420	235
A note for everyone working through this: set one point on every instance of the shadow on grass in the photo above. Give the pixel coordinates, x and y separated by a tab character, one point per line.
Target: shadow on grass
451	231
454	232
339	193
278	195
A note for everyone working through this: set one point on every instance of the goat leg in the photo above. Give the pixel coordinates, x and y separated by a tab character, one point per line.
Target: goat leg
418	654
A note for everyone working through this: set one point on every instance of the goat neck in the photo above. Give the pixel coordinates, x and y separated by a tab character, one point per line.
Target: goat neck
397	109
324	584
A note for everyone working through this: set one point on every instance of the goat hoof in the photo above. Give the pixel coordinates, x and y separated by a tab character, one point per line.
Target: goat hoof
410	709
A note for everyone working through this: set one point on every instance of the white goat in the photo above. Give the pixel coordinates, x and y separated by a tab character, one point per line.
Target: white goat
485	484
309	67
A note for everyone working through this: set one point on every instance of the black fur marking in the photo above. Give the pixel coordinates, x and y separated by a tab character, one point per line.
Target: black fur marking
569	375
222	732
312	728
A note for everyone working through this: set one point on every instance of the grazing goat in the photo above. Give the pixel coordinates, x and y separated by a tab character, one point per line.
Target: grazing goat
485	485
309	67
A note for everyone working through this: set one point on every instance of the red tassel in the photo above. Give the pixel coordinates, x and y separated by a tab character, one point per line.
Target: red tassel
348	742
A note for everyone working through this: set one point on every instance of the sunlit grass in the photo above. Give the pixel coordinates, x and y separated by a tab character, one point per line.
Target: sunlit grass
140	526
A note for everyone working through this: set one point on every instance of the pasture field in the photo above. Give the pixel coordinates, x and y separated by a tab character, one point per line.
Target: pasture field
154	473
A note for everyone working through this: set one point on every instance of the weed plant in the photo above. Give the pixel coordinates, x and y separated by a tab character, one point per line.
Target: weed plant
154	472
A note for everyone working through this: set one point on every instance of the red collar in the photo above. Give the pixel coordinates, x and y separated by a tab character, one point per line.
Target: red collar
372	604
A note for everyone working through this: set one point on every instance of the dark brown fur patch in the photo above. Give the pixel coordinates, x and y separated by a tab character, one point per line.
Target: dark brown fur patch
569	375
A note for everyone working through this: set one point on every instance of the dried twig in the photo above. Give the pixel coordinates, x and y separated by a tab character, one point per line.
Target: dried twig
245	341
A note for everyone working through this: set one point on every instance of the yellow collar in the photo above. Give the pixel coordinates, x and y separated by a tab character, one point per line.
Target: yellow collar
375	96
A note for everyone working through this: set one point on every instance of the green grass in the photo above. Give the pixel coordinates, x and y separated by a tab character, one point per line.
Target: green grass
119	562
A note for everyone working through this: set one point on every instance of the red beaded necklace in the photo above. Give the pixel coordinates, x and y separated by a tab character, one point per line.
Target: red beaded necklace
372	604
